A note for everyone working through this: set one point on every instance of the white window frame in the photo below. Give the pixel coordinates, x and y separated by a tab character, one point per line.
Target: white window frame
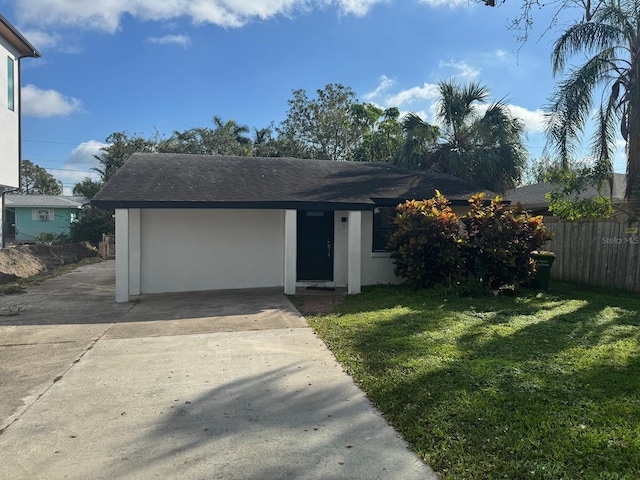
43	214
11	86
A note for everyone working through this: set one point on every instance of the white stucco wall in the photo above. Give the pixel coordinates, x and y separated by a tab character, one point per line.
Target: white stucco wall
340	249
9	135
377	268
202	249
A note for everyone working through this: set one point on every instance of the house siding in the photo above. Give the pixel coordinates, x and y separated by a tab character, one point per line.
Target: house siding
377	268
27	229
208	249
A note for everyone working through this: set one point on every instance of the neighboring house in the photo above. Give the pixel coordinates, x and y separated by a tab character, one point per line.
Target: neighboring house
195	222
13	47
532	197
27	216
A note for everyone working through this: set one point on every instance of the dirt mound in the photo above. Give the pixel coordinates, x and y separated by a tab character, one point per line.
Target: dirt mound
28	260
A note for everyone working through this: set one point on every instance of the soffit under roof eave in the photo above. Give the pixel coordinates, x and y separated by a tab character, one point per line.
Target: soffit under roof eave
249	205
17	40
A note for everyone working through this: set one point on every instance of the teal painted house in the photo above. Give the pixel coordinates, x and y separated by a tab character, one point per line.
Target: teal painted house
27	216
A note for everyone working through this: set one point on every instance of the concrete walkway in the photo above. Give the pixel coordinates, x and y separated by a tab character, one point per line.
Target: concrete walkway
228	385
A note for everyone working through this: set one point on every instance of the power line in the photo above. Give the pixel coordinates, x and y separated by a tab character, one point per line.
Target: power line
48	141
70	170
51	160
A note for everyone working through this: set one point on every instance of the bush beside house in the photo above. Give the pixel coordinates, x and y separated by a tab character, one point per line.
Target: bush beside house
491	244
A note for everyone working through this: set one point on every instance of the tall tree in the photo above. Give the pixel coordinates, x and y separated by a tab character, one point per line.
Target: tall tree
610	42
227	138
120	146
419	144
87	188
482	145
93	222
326	127
264	144
36	180
233	129
381	133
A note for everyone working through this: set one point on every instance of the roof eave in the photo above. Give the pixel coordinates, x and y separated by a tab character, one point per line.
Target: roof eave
253	205
21	44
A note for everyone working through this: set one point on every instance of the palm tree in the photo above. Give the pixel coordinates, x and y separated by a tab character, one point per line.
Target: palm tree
232	128
483	146
611	41
420	142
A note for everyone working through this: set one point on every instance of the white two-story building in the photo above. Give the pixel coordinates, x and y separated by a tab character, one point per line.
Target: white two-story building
13	48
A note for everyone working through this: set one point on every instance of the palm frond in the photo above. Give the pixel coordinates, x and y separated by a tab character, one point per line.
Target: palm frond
570	106
457	103
604	137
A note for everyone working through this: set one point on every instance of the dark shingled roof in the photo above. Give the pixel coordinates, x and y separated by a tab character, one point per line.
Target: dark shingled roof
532	196
153	180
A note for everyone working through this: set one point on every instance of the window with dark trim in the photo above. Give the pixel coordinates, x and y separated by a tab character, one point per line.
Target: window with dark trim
383	227
10	84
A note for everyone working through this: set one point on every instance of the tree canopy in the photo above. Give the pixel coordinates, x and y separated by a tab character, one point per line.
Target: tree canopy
36	180
478	141
483	146
325	127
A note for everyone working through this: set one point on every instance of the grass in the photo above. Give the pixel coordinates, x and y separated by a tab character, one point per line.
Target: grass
534	385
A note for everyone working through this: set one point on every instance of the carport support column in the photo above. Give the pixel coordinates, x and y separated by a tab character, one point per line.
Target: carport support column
354	231
134	251
122	255
290	253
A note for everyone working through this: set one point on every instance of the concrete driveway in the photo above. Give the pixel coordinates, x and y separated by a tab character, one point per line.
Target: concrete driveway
227	385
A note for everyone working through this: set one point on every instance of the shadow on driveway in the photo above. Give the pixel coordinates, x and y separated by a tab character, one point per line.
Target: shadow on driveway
181	386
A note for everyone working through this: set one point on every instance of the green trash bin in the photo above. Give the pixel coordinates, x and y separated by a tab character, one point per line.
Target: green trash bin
543	260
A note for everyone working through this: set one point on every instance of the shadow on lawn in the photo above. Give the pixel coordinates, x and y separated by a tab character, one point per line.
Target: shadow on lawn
537	386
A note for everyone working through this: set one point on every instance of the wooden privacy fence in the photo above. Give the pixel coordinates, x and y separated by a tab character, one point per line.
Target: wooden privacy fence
596	253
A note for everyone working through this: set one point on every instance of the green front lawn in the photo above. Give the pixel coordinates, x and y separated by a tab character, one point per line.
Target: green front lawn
538	385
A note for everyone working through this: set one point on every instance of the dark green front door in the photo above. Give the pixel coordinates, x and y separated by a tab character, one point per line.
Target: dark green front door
315	245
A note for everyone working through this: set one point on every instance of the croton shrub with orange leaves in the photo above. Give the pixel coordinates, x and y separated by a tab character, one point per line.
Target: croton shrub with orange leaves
492	243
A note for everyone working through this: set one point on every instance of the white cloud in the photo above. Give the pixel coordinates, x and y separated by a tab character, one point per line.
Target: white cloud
385	85
84	154
428	91
106	15
383	95
40	39
44	41
425	98
500	54
358	7
47	103
533	119
463	69
78	165
182	40
449	3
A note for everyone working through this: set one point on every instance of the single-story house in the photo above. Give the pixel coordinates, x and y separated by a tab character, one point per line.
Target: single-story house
27	216
532	197
196	222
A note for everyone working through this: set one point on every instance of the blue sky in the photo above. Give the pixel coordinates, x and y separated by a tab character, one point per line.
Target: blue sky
151	65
